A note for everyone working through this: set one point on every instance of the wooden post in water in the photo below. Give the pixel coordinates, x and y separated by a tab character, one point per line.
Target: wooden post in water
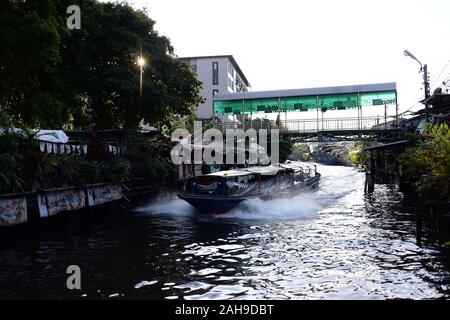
371	176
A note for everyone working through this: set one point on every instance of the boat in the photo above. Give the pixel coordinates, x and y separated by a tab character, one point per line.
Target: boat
219	192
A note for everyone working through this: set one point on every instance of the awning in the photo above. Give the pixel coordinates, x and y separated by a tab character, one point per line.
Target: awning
56	136
388	145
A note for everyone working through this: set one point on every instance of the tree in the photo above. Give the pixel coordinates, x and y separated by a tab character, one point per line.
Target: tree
30	87
358	157
51	76
108	45
285	145
428	165
301	152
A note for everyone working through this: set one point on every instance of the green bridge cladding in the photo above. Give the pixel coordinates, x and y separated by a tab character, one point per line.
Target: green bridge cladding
312	99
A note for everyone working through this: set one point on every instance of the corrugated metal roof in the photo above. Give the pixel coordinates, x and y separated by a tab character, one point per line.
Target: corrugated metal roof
375	87
389	145
229	173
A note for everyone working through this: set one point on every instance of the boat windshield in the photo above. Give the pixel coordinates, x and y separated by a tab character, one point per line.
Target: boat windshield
207	183
240	185
214	185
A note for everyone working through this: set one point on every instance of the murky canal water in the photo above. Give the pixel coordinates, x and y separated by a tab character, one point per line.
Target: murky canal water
332	243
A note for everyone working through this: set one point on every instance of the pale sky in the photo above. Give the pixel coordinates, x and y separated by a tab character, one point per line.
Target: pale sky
287	44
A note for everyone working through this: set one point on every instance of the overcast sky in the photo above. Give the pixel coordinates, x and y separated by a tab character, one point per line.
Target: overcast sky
299	44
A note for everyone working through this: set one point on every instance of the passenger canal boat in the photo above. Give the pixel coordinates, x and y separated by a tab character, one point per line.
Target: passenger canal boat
219	192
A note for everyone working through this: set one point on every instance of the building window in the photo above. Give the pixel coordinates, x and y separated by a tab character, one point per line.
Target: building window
230	85
215	71
194	68
215	91
230	70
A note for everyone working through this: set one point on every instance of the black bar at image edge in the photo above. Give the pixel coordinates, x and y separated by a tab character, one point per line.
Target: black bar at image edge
229	309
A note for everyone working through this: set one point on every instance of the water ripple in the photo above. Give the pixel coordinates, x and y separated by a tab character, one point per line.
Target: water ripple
333	243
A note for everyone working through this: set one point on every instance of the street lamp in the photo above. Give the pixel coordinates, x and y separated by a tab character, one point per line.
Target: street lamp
409	54
424	69
141	63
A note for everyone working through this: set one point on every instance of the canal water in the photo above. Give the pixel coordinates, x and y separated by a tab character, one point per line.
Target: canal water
331	243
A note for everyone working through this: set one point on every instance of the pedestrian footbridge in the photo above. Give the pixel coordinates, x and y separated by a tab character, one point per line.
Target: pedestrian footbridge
245	106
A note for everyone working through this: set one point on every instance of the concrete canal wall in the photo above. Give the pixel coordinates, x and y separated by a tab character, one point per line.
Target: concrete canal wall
20	208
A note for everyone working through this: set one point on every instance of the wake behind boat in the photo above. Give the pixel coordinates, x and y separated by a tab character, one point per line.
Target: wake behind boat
221	191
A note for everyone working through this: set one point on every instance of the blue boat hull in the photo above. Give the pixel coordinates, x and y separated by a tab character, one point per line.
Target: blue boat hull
211	205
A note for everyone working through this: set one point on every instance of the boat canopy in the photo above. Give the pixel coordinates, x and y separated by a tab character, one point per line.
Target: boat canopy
260	170
293	166
230	173
271	170
263	170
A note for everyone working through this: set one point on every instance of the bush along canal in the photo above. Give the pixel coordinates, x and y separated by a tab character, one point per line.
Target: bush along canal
419	166
42	178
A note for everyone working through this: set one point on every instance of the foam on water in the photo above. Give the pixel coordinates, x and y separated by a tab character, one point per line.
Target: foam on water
173	206
299	207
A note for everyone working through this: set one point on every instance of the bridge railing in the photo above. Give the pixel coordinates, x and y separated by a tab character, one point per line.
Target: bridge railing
312	125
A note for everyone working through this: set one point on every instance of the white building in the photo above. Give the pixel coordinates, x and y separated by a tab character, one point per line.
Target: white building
218	74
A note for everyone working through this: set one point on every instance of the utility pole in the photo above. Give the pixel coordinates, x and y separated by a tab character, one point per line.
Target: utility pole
397	123
426	84
279	115
140	83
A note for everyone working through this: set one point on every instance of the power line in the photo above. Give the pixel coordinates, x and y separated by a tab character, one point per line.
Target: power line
412	106
440	74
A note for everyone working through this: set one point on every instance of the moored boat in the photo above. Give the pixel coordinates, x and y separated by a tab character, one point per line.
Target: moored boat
221	191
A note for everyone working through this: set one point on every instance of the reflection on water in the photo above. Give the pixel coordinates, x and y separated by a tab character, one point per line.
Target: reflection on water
332	243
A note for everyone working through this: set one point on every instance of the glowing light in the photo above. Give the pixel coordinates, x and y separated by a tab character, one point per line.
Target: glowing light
141	61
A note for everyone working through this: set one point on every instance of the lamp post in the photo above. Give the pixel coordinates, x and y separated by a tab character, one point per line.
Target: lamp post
141	63
424	69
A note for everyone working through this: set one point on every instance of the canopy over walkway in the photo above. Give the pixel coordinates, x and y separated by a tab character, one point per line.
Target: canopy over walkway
244	105
304	100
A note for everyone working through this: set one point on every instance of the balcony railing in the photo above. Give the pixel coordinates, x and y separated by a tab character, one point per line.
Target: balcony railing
314	125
